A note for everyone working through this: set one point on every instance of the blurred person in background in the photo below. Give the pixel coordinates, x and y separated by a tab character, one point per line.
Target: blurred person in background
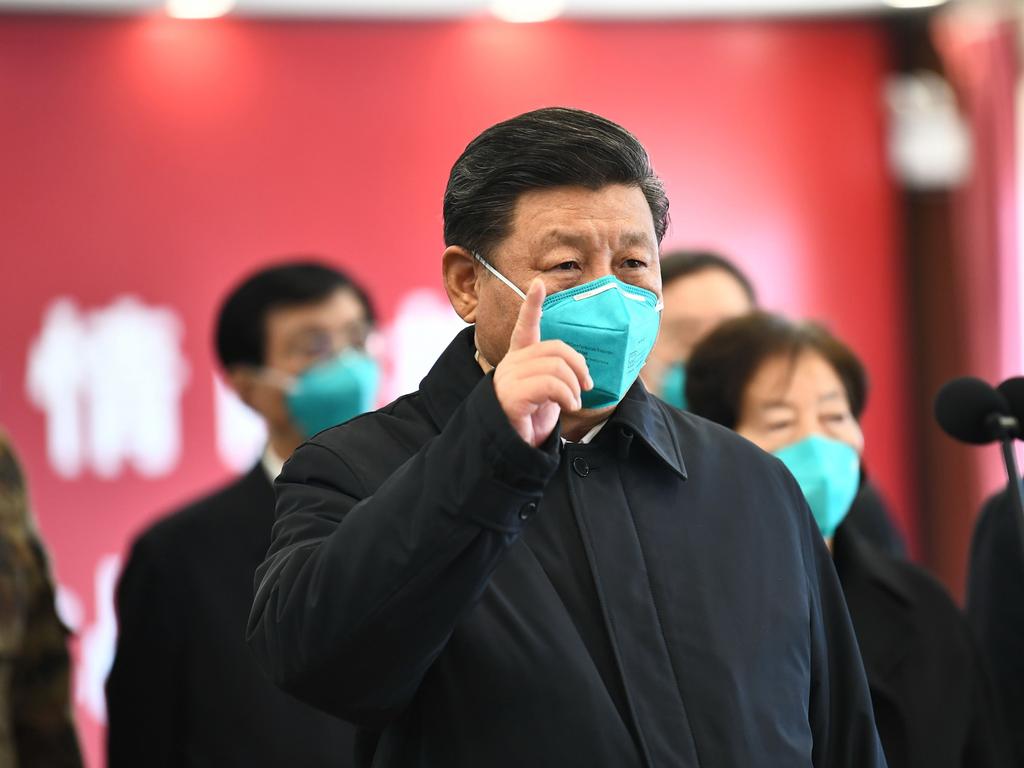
526	562
796	391
701	289
184	690
995	608
36	726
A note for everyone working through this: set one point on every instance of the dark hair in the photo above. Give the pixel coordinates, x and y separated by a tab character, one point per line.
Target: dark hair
725	361
241	323
679	264
553	147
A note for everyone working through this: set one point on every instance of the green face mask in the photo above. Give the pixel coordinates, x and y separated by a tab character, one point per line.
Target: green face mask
611	323
673	385
828	473
334	391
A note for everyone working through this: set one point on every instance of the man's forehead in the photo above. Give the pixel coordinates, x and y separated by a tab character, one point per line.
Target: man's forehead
337	308
582	236
613	203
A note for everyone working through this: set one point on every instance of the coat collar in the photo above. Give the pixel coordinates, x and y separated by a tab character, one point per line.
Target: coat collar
256	481
451	378
640	414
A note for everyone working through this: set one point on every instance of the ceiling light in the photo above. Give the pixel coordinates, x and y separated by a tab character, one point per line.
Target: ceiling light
527	11
909	4
198	9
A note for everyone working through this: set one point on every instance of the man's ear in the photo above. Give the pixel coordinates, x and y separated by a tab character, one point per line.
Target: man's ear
243	380
460	281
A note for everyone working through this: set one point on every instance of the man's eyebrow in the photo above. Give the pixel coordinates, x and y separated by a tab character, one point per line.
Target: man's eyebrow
634	239
309	328
317	329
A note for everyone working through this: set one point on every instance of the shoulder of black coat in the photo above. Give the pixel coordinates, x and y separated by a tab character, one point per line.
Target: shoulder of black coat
201	518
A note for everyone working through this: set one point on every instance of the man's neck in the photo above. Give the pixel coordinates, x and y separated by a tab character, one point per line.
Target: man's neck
578	423
284	445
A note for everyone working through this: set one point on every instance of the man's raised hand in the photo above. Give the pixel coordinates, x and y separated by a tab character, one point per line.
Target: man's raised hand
537	379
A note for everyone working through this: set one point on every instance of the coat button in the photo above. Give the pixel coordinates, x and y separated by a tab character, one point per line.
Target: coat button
580	466
527	511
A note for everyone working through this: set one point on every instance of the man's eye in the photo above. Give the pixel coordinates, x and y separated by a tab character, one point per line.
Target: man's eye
634	264
836	418
777	426
566	266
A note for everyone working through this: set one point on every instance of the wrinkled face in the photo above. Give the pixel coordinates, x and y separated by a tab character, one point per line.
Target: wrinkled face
296	338
566	236
694	306
787	401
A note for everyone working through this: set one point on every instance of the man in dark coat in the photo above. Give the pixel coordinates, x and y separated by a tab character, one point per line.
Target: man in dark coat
531	560
995	608
184	689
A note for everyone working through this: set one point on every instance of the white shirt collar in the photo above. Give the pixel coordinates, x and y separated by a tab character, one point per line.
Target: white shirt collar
587	437
272	463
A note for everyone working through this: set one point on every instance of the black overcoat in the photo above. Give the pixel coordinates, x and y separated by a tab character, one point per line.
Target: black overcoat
184	690
995	609
658	597
933	698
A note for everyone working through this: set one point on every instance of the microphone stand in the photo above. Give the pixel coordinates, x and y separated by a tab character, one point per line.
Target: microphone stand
1007	429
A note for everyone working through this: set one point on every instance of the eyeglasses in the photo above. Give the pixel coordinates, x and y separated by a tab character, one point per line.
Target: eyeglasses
317	344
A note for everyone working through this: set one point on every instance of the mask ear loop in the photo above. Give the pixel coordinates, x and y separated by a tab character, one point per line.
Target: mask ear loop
498	275
503	279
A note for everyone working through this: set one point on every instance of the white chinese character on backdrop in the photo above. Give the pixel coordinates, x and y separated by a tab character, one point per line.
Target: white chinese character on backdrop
110	382
99	638
55	376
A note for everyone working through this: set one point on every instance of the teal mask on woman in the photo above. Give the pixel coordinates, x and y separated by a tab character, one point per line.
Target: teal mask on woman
611	323
334	391
828	472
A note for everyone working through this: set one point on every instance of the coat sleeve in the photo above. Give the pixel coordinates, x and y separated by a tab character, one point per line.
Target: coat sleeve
361	589
841	712
143	689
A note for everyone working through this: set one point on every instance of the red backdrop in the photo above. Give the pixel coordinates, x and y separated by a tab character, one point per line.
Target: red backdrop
163	159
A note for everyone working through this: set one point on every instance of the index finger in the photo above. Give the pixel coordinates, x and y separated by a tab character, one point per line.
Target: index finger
527	328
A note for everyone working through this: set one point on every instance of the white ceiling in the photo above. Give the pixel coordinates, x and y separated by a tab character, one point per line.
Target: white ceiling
618	9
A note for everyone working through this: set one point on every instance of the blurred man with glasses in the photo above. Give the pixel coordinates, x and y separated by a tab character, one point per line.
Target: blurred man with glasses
184	690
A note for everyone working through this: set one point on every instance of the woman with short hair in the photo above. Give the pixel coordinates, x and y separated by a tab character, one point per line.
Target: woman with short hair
796	391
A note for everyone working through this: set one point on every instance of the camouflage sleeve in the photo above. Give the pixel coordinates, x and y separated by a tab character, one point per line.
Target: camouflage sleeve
34	701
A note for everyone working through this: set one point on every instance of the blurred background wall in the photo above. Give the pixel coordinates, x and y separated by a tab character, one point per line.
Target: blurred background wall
147	163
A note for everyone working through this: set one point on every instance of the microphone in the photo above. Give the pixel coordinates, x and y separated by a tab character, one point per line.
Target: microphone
972	411
1013	391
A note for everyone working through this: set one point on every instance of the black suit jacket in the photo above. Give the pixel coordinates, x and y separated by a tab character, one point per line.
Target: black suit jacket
995	608
934	704
658	597
870	520
184	689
